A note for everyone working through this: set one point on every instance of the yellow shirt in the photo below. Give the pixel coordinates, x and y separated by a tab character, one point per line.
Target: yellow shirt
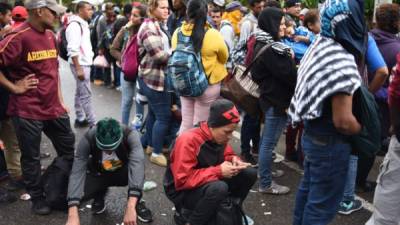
214	53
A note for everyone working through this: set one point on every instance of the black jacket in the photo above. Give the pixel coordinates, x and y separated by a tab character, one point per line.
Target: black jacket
276	74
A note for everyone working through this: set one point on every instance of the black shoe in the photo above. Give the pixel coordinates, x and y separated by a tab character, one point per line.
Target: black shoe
6	196
143	213
83	123
247	157
15	185
98	206
40	207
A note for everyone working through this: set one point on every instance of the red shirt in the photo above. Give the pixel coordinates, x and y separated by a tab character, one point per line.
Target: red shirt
27	51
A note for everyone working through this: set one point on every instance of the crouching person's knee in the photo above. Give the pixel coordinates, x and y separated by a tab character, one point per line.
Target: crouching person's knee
217	190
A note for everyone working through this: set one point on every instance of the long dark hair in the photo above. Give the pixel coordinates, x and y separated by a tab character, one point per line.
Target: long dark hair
197	14
143	14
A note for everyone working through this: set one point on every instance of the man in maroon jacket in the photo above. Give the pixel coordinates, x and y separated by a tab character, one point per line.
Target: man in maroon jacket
204	170
29	70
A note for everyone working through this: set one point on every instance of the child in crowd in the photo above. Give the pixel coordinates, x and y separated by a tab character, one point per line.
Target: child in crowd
301	37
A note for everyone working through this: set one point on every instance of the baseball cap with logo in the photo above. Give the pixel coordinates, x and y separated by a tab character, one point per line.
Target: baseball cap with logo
50	4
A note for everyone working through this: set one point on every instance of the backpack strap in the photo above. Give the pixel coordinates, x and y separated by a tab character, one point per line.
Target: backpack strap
262	50
80	26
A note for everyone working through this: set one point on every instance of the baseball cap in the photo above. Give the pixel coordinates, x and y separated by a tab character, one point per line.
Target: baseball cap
51	4
19	12
222	112
291	3
220	3
233	6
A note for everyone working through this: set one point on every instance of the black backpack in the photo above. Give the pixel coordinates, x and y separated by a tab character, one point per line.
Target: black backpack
55	183
366	110
230	212
62	42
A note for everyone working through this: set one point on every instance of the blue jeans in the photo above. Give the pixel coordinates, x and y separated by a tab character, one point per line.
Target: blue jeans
351	179
158	117
128	92
273	128
250	132
117	74
325	171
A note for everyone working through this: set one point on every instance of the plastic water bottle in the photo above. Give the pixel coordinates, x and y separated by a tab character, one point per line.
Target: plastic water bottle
137	122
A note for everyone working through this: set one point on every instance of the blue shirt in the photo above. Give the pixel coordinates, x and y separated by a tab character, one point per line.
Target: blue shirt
374	59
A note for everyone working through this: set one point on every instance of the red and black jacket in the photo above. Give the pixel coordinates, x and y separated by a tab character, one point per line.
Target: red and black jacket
196	159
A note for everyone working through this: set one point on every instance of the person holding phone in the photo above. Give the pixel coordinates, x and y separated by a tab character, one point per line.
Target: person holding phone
204	170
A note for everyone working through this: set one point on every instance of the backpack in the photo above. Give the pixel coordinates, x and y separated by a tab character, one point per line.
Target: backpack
130	59
55	182
186	69
251	42
239	52
366	110
230	212
93	32
62	42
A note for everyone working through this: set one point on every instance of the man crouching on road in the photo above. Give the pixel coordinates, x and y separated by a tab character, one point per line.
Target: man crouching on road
113	156
204	170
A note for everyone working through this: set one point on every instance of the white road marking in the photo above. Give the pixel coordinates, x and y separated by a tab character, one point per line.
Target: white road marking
366	205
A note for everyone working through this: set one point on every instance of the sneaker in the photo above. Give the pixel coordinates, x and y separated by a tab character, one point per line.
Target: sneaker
83	123
347	208
98	206
143	213
250	221
247	157
6	196
119	88
277	173
274	189
40	207
159	160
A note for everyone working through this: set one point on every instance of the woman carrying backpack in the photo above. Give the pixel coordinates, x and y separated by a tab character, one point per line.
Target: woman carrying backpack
122	38
153	43
214	55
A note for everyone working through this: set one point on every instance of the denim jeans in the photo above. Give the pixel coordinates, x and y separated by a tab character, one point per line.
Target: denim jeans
128	92
117	74
351	179
325	171
158	118
273	128
250	132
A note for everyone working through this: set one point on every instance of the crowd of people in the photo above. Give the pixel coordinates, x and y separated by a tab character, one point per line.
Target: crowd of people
174	58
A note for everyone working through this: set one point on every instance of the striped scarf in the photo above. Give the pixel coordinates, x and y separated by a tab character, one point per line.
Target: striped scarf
326	69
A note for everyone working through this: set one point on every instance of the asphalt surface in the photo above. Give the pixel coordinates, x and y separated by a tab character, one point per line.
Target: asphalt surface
264	209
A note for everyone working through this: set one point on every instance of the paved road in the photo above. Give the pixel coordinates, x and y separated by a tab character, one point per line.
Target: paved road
264	209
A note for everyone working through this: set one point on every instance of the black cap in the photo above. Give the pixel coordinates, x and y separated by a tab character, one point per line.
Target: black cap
222	112
291	3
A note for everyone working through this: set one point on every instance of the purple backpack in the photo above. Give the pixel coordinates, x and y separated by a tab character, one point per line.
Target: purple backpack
130	59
